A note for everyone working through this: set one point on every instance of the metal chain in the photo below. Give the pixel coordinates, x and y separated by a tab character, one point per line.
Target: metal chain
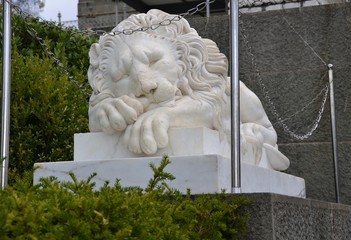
304	40
324	91
26	16
201	6
57	62
165	22
273	109
315	123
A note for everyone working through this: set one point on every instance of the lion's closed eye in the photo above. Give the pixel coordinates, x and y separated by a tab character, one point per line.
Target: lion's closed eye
154	57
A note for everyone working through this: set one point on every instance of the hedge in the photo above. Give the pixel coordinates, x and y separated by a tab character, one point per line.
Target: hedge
74	210
47	108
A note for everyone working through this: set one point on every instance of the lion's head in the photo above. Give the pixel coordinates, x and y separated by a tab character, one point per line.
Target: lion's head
157	65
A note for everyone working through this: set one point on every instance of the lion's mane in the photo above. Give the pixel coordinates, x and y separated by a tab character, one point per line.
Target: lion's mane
203	68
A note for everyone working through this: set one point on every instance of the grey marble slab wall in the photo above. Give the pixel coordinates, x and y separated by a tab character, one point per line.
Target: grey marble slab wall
283	59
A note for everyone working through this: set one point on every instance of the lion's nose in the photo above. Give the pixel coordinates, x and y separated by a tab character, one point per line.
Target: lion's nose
148	86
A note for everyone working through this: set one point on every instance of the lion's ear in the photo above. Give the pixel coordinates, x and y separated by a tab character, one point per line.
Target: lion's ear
94	55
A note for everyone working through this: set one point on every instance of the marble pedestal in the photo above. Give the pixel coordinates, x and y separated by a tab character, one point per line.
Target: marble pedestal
200	163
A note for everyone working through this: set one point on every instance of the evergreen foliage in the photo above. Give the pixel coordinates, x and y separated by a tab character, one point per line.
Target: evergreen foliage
54	210
46	107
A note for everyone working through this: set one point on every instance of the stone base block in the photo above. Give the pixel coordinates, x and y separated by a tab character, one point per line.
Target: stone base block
200	173
182	142
274	217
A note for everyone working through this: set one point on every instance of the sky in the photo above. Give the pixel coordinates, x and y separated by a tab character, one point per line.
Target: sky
68	9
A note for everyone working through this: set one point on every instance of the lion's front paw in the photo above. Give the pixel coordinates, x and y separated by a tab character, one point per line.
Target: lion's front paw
149	133
114	114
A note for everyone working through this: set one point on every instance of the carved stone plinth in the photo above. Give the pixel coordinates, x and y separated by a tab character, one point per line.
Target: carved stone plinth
202	174
199	159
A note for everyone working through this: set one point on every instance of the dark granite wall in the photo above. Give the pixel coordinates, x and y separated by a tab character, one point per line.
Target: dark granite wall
276	217
283	57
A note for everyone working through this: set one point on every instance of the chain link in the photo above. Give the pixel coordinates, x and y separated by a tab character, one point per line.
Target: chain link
56	61
304	40
273	109
26	16
41	41
201	6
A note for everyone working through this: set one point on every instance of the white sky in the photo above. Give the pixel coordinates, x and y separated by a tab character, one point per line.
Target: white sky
68	9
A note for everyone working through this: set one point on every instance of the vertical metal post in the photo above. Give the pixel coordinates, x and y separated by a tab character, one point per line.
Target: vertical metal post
235	97
124	10
226	7
6	88
117	12
208	8
333	128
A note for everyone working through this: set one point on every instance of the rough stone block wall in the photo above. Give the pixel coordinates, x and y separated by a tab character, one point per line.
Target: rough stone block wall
254	5
276	217
283	57
101	14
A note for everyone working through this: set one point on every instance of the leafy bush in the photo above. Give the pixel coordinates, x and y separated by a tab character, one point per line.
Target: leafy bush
46	111
46	107
68	45
54	210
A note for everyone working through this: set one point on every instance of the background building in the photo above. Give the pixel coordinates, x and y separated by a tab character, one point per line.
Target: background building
102	14
105	14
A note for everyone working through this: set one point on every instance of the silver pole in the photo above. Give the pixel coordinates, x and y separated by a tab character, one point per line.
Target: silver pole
117	12
226	7
207	8
6	88
333	126
124	10
235	97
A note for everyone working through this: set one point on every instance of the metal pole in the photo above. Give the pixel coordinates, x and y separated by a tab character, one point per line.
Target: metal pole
235	97
207	8
226	7
333	128
117	12
124	10
6	88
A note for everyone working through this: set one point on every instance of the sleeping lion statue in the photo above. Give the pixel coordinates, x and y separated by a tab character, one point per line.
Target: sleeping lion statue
164	77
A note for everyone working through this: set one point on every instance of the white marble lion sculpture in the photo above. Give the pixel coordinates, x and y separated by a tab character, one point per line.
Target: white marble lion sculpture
159	78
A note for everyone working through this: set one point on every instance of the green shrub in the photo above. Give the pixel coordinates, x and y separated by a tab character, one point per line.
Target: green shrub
47	109
68	45
54	210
